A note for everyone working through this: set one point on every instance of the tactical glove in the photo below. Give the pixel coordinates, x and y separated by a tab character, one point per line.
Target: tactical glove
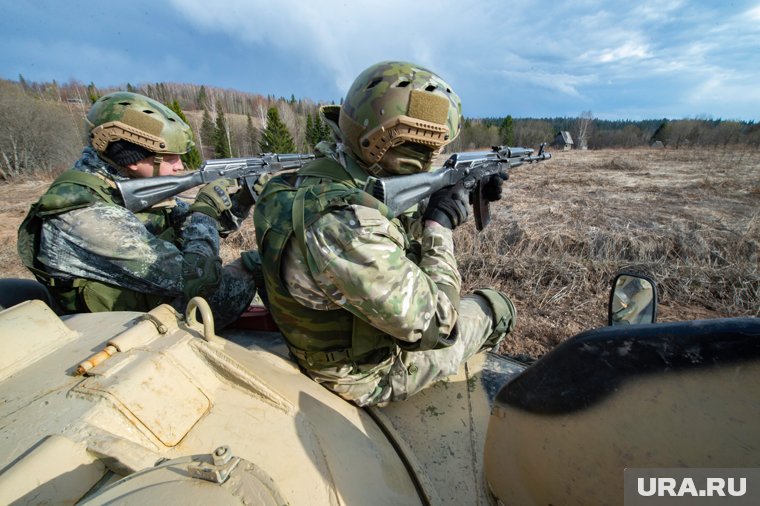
213	199
448	207
263	179
201	275
244	199
492	187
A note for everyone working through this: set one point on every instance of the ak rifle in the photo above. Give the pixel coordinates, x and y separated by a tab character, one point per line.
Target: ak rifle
470	169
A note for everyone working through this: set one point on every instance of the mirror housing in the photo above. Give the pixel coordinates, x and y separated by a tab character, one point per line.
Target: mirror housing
633	300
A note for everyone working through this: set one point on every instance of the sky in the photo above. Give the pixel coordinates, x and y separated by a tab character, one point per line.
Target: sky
621	60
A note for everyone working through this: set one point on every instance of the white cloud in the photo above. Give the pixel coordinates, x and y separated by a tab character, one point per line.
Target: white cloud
753	14
345	37
628	51
567	84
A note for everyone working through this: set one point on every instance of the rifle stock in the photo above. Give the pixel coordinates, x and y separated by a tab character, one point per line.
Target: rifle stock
152	190
400	193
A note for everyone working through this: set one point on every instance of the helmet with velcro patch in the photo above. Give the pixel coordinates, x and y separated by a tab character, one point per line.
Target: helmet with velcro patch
138	120
392	103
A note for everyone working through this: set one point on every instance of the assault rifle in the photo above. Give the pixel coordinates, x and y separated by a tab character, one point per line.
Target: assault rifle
139	194
470	169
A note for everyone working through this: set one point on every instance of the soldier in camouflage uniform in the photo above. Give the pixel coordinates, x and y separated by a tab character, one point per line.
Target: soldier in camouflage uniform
95	255
369	303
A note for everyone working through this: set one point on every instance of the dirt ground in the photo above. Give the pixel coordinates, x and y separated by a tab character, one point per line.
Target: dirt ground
690	218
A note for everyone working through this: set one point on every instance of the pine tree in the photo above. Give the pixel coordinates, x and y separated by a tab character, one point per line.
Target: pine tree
56	90
507	131
132	89
202	98
192	159
92	93
251	136
662	133
322	130
221	137
276	138
207	135
310	137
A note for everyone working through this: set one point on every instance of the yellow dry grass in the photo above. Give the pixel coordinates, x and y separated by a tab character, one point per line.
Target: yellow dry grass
565	227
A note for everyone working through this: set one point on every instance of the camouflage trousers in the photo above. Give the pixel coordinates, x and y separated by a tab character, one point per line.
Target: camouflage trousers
407	372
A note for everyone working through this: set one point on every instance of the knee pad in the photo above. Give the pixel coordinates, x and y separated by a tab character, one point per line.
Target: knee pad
504	312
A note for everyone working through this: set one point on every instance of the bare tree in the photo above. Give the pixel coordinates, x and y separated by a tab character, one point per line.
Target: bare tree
36	135
296	124
583	129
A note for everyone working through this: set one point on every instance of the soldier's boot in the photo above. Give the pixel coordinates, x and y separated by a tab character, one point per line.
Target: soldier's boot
504	315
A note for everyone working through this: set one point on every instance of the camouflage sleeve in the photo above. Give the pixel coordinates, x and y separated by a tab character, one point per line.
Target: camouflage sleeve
110	244
360	263
199	235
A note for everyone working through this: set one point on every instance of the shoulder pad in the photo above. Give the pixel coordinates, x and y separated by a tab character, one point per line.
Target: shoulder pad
73	190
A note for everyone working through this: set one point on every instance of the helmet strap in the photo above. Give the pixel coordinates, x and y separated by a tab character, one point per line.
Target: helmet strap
157	159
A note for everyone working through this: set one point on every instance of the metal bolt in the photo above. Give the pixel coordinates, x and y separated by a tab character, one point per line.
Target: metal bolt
221	455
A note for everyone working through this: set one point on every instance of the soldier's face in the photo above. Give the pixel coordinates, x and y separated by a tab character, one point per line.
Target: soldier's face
170	165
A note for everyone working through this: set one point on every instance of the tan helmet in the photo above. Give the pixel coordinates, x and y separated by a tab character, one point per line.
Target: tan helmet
392	103
126	116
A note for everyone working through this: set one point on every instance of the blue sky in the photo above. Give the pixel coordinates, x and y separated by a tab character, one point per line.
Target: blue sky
621	60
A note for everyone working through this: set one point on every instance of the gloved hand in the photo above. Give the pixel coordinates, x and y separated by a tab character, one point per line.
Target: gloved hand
448	206
201	274
213	199
263	179
492	187
244	199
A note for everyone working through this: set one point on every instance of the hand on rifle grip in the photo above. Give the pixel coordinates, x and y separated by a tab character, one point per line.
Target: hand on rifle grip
258	186
492	187
448	206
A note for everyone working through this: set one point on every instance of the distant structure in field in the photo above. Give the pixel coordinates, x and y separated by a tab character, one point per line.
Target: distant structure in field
563	140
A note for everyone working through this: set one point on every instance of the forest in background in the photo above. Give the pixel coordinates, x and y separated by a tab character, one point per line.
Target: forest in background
42	127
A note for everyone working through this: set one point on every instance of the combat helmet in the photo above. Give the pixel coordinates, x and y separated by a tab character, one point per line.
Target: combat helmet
139	120
392	103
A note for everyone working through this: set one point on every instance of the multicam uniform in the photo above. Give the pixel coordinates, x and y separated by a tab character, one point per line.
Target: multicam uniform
96	255
364	311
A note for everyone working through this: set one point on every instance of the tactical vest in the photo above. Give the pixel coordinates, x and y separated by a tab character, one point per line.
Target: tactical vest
289	205
74	190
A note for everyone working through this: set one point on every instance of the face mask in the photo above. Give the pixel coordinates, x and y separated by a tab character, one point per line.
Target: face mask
407	159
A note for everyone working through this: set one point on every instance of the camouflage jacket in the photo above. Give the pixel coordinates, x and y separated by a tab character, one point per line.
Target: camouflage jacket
141	252
359	260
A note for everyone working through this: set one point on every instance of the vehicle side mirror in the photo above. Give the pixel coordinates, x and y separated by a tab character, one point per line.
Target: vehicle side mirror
633	300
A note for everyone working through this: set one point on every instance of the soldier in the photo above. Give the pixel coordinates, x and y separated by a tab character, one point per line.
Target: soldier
371	307
95	255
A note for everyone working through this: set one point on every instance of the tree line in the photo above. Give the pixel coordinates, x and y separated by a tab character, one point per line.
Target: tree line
42	125
606	134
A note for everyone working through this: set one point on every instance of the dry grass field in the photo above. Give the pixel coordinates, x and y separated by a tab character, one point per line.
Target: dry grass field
690	218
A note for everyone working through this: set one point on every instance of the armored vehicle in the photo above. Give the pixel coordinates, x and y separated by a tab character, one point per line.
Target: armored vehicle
132	408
